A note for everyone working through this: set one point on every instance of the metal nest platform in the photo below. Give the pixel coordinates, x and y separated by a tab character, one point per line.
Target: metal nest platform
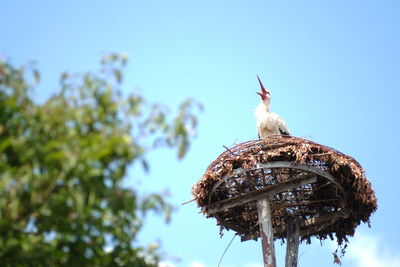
321	189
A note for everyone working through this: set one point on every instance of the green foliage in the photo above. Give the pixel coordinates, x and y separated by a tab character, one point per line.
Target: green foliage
62	164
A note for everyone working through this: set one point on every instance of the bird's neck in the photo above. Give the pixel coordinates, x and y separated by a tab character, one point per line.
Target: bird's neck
265	104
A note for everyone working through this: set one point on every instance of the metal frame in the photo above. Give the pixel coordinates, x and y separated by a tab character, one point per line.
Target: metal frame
264	209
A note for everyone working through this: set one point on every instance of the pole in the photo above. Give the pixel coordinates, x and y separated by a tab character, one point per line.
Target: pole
266	232
292	247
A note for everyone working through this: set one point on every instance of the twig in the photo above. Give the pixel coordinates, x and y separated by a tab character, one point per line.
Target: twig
306	203
223	254
186	202
229	150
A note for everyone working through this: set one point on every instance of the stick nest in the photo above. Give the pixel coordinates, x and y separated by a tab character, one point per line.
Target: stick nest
223	180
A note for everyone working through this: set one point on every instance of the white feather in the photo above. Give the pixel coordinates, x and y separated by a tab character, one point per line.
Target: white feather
269	123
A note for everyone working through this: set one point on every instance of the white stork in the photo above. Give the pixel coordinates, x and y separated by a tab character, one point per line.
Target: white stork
268	123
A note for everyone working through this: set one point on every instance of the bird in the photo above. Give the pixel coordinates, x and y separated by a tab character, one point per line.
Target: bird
268	123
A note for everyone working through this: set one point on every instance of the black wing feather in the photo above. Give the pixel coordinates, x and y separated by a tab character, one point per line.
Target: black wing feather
284	131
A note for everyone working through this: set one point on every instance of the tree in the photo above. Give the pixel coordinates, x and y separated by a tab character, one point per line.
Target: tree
62	164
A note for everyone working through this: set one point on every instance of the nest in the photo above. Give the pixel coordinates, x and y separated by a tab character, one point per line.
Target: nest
332	205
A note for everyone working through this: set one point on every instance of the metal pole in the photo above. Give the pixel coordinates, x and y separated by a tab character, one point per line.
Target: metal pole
292	247
266	233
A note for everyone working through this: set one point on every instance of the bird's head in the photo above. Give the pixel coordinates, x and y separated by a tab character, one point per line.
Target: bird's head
265	93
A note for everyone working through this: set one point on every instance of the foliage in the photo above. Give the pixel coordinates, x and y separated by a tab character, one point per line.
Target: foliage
62	163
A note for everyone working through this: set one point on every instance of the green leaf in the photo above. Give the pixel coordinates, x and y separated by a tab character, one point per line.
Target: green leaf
5	143
118	75
36	76
63	165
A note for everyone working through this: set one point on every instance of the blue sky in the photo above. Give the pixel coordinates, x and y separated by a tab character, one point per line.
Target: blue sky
332	67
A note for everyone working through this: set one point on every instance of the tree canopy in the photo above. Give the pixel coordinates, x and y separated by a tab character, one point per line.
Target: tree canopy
62	163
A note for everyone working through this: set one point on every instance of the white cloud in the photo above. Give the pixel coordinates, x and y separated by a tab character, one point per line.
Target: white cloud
371	251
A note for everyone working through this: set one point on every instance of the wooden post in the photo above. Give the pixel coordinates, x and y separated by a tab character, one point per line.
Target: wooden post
292	247
266	232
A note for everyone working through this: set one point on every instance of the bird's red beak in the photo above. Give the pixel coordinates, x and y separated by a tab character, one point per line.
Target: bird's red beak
260	94
263	93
